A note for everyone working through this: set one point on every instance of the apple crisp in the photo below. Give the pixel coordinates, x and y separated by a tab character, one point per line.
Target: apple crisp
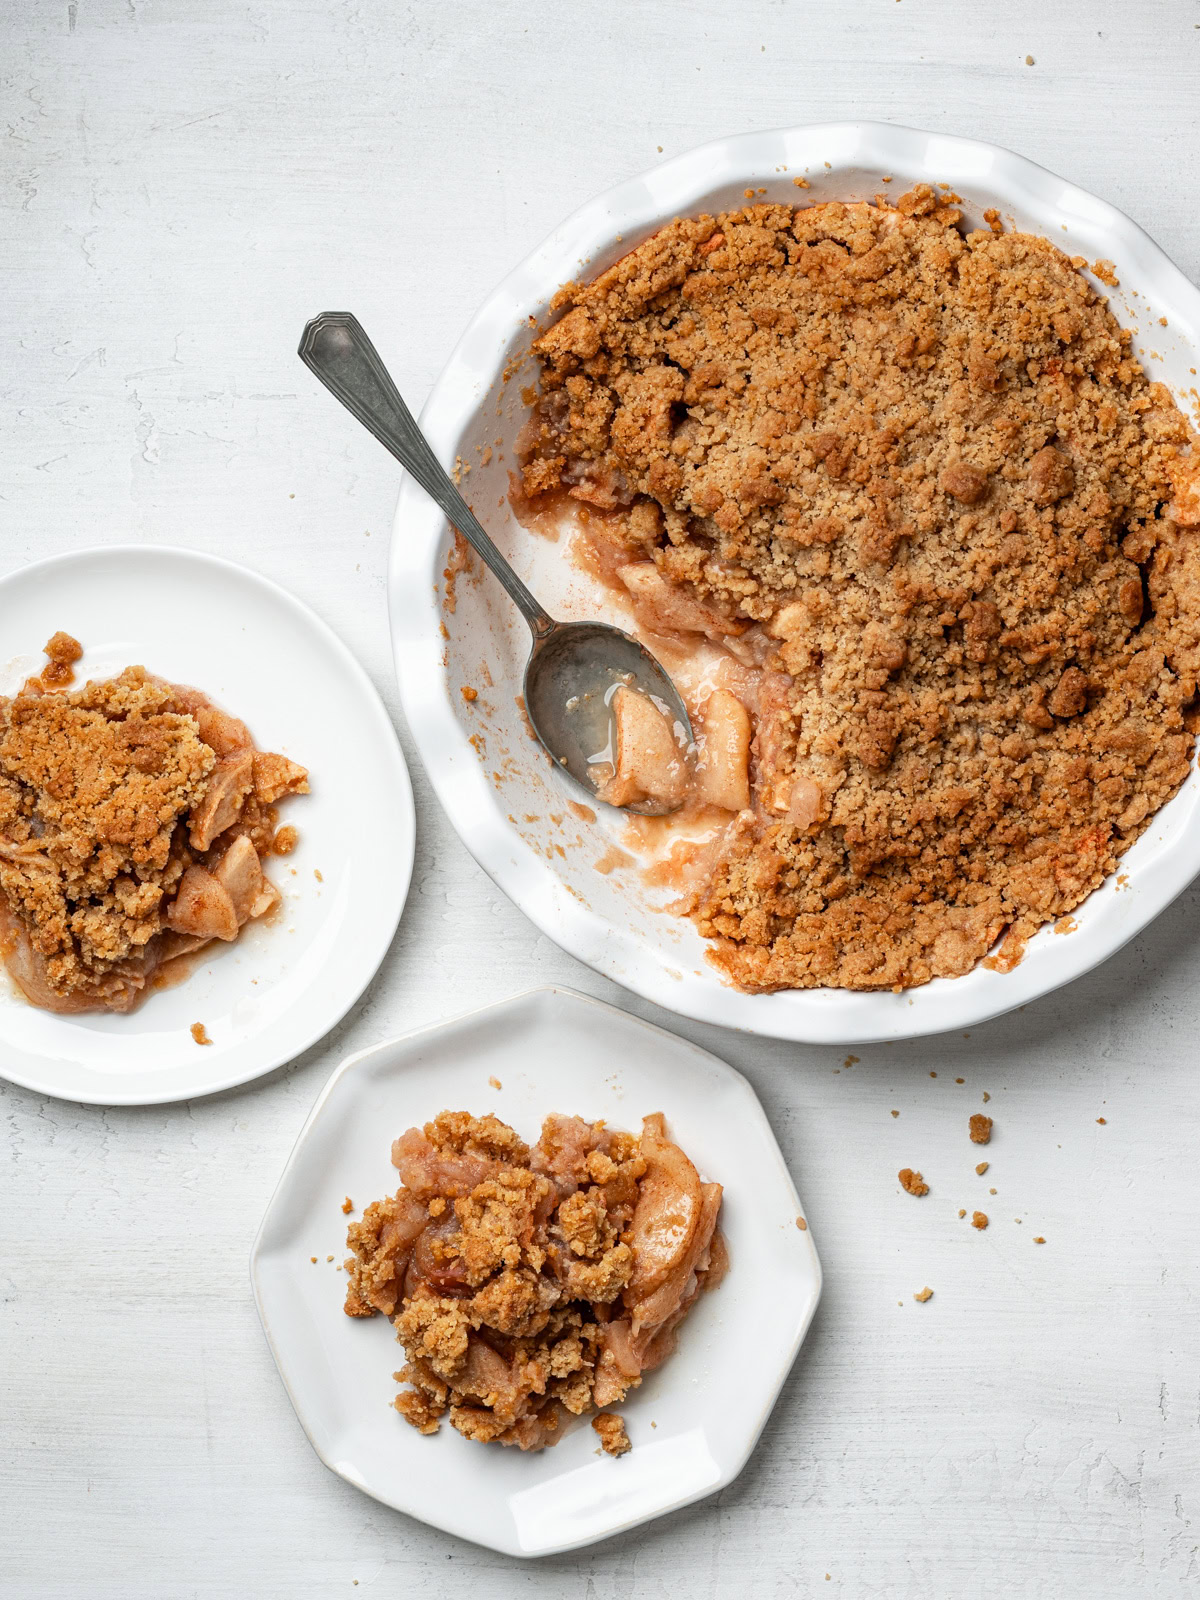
530	1284
910	496
134	819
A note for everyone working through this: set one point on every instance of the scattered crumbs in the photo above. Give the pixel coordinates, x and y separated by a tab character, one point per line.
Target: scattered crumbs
802	1225
347	1206
1016	1219
317	875
979	1220
1162	322
851	1061
961	1212
329	1258
982	1168
991	1191
654	1424
748	194
924	1294
933	1074
495	1083
886	179
1103	1121
802	183
912	1182
614	1441
1066	925
1037	1239
960	1080
981	1128
469	695
895	1113
1107	273
1029	62
986	1097
313	1259
284	841
200	1033
660	153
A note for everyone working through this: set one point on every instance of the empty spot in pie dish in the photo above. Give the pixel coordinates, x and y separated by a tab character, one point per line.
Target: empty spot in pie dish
905	521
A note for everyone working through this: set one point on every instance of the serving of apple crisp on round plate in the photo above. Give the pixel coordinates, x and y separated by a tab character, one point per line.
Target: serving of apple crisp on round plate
591	1257
186	772
861	436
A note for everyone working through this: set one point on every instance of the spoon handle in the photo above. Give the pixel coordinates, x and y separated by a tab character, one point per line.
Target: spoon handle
335	347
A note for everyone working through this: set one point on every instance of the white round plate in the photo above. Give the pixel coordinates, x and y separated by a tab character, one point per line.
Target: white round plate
692	1423
263	656
502	795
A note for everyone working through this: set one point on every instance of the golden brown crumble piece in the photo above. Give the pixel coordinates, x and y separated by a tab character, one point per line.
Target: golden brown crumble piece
980	1129
1037	1239
128	834
912	1182
531	1284
613	1439
347	1205
979	1219
285	841
200	1033
923	1294
1102	1120
915	482
802	1225
982	1168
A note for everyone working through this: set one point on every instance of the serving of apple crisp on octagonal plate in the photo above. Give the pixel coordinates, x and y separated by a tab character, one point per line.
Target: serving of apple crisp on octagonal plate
192	767
537	1274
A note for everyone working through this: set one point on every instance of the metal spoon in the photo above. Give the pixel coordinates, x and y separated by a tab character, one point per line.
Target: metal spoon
574	667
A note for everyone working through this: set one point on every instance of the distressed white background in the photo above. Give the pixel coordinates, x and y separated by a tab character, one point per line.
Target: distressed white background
182	186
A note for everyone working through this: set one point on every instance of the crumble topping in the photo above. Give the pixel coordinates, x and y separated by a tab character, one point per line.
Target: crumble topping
981	1131
613	1438
133	816
912	1182
918	483
525	1284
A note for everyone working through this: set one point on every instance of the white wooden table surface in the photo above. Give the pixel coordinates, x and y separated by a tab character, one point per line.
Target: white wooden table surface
182	186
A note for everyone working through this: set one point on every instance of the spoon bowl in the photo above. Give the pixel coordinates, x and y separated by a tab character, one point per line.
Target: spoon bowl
570	680
574	668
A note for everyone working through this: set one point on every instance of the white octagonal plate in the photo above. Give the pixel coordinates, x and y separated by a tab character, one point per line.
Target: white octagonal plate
693	1423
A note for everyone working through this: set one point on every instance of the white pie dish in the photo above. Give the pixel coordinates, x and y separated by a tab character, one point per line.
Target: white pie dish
489	788
266	658
692	1423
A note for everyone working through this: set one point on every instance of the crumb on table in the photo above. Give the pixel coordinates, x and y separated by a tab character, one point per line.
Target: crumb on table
982	1168
495	1083
979	1220
347	1205
912	1182
200	1033
981	1128
613	1438
1103	1121
802	1225
924	1294
1037	1239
